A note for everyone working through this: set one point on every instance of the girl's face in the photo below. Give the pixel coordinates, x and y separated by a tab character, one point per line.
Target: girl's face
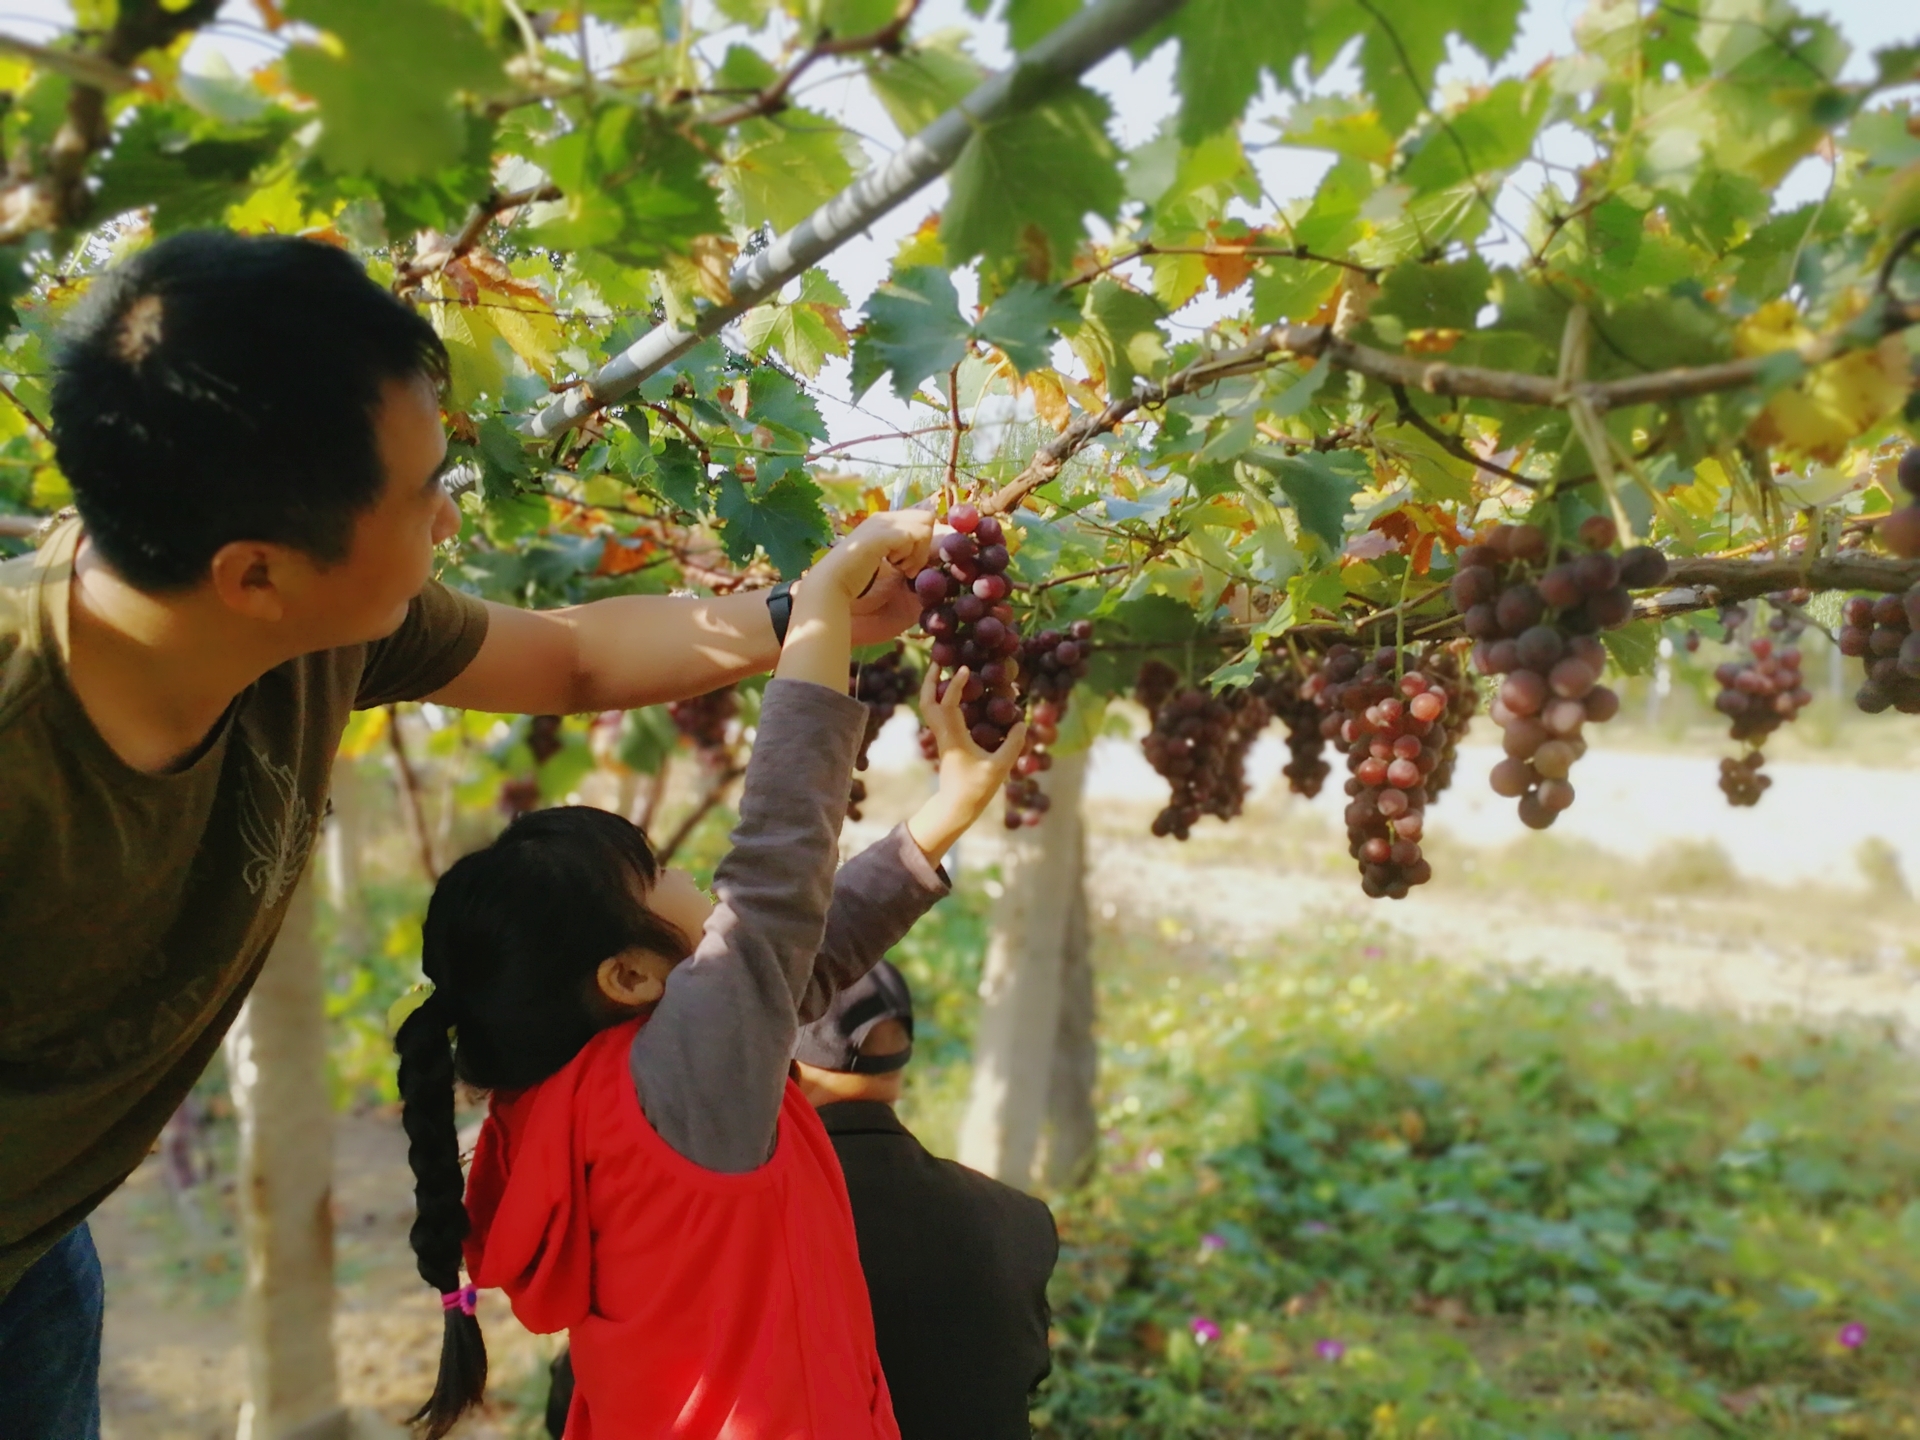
634	980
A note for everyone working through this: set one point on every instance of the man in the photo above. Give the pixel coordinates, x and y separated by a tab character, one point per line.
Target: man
956	1264
252	431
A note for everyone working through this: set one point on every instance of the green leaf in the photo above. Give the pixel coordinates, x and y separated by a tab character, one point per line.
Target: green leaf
1022	188
1405	41
388	103
1633	646
783	518
1493	133
1030	20
803	332
1119	334
634	188
680	478
1430	297
1320	486
916	87
782	170
160	159
505	466
1343	124
648	738
914	329
1022	322
1291	289
1224	45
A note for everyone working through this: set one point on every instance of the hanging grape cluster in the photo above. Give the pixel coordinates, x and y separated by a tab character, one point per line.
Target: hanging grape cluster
1306	769
1884	631
1199	742
520	794
1900	531
1758	694
1049	664
966	612
1400	732
1533	620
704	721
883	686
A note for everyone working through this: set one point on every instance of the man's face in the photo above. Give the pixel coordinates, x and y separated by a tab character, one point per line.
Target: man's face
365	596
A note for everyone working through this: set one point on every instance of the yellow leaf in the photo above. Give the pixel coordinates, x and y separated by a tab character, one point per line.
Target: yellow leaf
1707	495
279	209
365	730
923	247
50	489
1050	401
533	334
1820	415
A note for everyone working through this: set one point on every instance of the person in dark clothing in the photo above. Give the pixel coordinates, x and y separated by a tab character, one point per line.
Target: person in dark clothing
956	1264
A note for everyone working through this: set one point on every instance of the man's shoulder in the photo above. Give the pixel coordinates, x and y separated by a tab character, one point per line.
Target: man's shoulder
1010	1206
19	670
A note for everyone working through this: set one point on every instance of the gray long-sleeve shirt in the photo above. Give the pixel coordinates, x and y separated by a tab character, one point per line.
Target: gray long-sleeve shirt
785	936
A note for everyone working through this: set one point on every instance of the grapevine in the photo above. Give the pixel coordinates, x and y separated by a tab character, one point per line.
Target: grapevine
1294	706
1880	630
966	612
883	686
1534	623
1900	530
1758	694
705	721
1400	732
1049	664
1199	742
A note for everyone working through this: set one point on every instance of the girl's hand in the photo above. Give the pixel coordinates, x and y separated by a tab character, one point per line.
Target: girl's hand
878	557
969	776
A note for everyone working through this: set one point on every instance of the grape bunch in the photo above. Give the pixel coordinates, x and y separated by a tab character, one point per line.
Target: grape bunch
1759	695
1900	531
1199	742
883	686
1884	631
703	720
966	612
1533	620
1306	768
1399	721
1048	665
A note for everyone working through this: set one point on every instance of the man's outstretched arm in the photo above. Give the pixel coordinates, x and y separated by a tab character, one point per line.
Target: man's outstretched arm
635	650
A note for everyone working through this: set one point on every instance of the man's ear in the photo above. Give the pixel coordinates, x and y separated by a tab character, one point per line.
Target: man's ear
250	576
633	977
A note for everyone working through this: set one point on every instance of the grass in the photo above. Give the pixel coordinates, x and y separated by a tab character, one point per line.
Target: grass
1418	1202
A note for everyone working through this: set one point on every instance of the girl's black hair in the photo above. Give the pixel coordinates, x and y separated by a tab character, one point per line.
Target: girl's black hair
514	935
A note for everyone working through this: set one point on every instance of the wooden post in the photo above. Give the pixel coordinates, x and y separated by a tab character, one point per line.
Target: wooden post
1021	990
277	1061
1073	1129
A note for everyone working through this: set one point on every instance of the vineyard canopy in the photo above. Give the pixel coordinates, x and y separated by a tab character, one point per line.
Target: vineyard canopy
1256	419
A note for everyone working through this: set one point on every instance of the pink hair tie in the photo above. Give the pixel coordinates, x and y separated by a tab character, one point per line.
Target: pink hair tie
465	1299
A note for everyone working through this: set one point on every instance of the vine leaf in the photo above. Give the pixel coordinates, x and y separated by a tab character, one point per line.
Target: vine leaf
388	97
1022	322
1320	487
635	189
803	331
1224	45
783	518
782	170
919	86
1022	188
162	158
1119	334
914	329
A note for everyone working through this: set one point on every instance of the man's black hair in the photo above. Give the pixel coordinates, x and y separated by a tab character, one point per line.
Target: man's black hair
220	387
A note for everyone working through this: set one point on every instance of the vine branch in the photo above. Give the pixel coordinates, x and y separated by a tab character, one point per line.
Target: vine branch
773	99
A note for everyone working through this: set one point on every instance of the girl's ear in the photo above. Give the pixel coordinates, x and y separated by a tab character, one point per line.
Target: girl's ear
633	977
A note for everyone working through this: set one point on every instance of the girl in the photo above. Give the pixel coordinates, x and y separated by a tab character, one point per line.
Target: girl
647	1178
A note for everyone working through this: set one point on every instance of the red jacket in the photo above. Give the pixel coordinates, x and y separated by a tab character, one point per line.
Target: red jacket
698	1304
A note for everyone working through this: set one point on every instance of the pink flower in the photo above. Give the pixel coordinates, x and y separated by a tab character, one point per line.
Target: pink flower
1205	1332
1852	1335
1330	1350
1211	1244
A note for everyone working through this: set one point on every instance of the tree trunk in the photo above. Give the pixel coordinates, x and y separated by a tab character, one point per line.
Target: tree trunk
277	1058
1072	1129
1021	992
340	850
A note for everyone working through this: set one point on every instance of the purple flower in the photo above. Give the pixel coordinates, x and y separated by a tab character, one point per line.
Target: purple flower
1852	1335
1315	1227
1373	952
1330	1350
1205	1332
1212	1244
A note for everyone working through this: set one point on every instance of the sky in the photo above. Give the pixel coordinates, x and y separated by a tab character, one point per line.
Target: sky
1142	100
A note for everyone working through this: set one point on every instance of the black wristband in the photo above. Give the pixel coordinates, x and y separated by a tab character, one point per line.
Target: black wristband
780	609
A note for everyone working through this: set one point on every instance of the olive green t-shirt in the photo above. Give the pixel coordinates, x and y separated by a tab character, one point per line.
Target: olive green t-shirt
135	909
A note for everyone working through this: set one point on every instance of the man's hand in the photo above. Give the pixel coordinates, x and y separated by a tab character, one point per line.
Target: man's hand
969	776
